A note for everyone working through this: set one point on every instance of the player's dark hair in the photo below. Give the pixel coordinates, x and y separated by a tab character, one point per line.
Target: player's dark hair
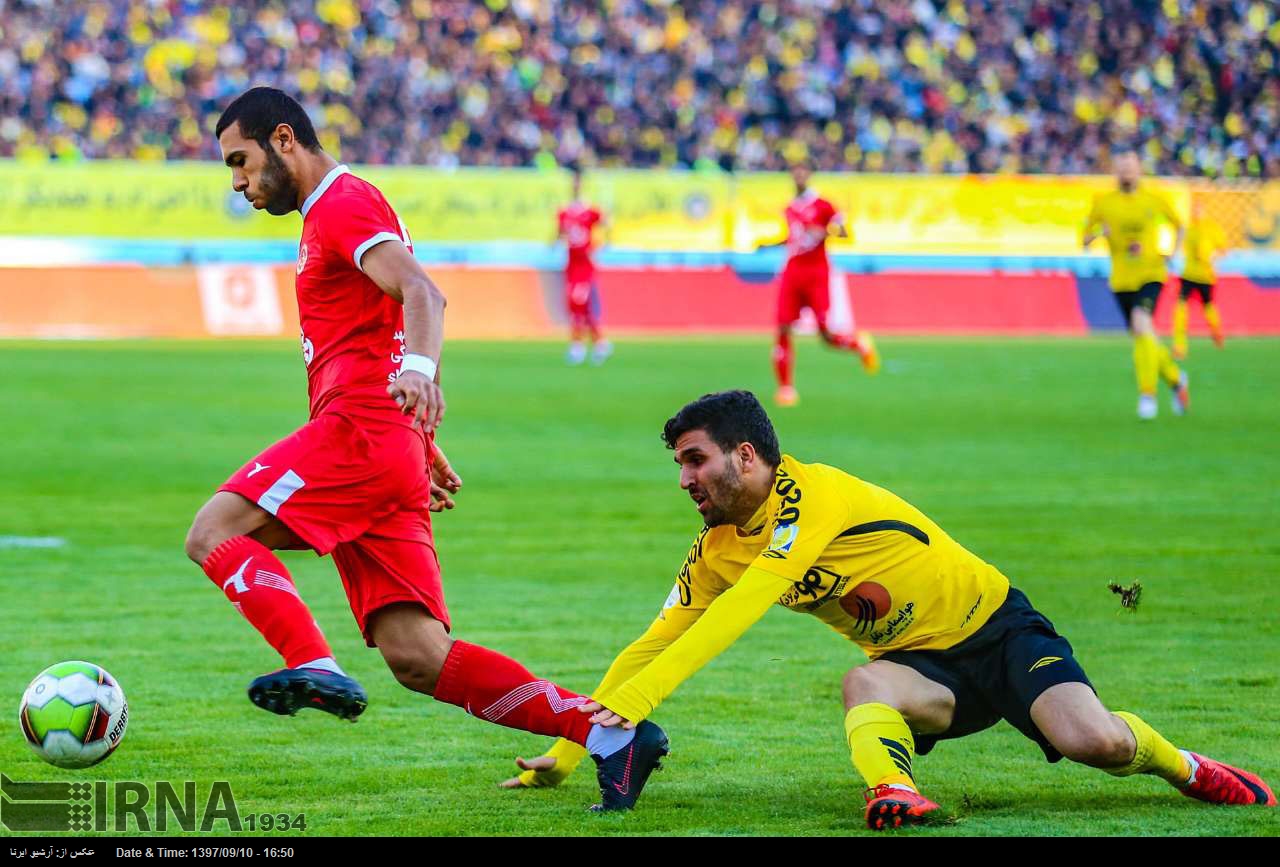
260	110
730	419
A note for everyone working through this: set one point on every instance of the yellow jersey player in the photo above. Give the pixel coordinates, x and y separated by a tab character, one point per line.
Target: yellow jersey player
1129	217
953	647
1206	241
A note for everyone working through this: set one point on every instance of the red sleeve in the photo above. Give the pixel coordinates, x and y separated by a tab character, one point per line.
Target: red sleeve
357	223
828	212
596	216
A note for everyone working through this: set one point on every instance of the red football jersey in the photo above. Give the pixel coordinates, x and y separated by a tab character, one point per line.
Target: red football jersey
807	217
352	331
576	223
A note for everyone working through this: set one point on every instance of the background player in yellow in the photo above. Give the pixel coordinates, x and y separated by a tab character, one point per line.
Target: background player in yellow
954	648
1129	218
1206	241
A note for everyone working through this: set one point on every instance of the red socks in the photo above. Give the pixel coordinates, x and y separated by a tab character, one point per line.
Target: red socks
496	688
260	588
782	359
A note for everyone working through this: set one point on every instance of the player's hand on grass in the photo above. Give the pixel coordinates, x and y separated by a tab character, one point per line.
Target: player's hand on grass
444	483
602	716
418	395
541	776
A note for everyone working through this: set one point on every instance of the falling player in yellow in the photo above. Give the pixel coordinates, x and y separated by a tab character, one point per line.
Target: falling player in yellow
1128	217
1206	241
954	648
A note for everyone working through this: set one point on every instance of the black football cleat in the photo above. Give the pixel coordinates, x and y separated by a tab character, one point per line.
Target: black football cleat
289	690
622	776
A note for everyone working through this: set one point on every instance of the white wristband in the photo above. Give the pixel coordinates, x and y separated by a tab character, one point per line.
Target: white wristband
420	363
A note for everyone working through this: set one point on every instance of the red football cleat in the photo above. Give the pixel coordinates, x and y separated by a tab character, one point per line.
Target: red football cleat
1222	784
890	807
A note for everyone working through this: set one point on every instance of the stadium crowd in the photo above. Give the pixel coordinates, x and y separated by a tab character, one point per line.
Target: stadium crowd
875	85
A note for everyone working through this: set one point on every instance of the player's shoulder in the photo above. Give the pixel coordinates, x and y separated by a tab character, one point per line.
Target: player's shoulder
815	480
350	187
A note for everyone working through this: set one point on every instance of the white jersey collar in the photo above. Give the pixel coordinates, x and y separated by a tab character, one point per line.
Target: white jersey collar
323	186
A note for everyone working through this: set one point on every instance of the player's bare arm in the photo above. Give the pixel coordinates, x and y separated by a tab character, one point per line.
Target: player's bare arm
393	268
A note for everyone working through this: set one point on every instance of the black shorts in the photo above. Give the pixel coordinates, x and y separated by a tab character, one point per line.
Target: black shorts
1146	298
1191	287
998	672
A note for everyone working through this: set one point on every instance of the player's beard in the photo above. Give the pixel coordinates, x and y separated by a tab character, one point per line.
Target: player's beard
727	498
276	186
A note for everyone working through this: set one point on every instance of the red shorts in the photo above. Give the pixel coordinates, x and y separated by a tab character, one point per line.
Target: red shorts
582	300
356	487
804	287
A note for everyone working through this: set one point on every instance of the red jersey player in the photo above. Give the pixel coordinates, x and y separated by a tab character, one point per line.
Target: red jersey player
359	479
575	225
806	280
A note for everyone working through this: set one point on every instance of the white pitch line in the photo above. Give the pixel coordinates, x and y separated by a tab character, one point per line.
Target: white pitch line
32	542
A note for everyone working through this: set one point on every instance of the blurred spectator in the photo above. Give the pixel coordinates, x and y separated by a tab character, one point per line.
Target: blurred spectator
874	85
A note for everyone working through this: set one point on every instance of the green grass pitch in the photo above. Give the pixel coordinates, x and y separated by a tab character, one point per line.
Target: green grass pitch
568	534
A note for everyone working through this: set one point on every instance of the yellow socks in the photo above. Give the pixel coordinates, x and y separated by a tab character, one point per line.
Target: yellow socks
1180	327
1154	755
1152	362
1169	371
1215	322
1146	362
880	745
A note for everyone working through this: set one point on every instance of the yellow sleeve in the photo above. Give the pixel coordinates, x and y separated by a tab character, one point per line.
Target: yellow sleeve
1166	208
727	618
807	519
696	587
1093	221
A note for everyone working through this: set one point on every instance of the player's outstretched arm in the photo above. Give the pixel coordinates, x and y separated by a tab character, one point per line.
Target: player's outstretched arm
724	622
393	268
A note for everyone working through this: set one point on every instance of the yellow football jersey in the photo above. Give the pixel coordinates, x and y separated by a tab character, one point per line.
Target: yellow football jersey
1205	240
1132	223
860	559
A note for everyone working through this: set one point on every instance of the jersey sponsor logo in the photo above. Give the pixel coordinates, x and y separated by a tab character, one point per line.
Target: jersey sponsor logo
866	603
784	536
397	356
972	611
1043	661
814	590
302	257
895	625
257	468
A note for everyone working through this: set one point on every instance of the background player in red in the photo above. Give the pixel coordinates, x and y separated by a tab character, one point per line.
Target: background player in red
357	481
806	280
575	225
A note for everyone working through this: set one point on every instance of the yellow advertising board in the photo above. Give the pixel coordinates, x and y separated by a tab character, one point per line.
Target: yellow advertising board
647	210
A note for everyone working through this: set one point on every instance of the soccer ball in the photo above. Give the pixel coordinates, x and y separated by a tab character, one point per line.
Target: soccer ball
73	714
